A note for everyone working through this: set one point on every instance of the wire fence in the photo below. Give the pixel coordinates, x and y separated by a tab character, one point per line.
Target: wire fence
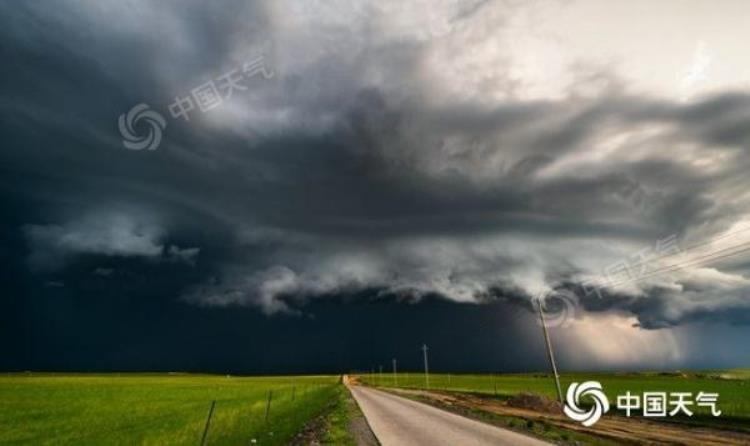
248	413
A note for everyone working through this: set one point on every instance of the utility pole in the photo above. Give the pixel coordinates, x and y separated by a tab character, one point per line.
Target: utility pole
426	368
550	353
395	373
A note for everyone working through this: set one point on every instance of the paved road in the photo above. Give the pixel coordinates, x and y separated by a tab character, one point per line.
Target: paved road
399	421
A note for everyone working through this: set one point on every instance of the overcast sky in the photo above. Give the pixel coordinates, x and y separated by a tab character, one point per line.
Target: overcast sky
423	169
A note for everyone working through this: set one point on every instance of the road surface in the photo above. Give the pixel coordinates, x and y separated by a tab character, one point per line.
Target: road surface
399	421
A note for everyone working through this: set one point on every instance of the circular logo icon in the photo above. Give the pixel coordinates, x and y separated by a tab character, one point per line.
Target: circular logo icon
593	390
558	306
127	122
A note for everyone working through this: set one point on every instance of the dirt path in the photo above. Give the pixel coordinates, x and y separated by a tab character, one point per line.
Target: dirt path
617	428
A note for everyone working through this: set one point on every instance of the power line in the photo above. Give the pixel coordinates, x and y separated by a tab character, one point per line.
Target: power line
710	257
697	245
715	255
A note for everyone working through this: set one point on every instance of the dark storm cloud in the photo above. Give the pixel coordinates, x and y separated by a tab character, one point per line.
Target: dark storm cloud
350	169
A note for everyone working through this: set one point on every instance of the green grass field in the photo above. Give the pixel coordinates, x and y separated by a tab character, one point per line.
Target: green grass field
157	409
733	386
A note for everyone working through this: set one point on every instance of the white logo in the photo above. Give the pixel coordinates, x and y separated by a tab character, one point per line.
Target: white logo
592	389
127	124
559	307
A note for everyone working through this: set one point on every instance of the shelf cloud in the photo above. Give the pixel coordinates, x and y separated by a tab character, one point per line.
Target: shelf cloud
471	151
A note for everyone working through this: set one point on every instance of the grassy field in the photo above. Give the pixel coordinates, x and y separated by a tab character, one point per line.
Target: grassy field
733	386
157	409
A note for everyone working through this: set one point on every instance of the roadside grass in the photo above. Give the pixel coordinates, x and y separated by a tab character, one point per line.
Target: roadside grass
733	387
157	409
339	420
341	423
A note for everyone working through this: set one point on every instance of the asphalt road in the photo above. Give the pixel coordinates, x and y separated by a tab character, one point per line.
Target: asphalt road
399	421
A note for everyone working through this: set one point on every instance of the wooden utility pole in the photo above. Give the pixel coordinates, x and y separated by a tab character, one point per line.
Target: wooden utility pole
395	373
550	353
426	367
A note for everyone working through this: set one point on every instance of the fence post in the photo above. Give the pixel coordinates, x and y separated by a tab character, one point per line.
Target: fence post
268	404
208	422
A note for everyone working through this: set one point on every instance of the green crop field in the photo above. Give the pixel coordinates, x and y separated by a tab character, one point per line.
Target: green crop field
733	386
157	409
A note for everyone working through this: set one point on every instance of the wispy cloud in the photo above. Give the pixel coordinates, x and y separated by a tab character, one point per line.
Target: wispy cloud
104	234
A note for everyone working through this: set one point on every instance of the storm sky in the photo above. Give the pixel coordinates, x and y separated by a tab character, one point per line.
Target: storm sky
376	175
